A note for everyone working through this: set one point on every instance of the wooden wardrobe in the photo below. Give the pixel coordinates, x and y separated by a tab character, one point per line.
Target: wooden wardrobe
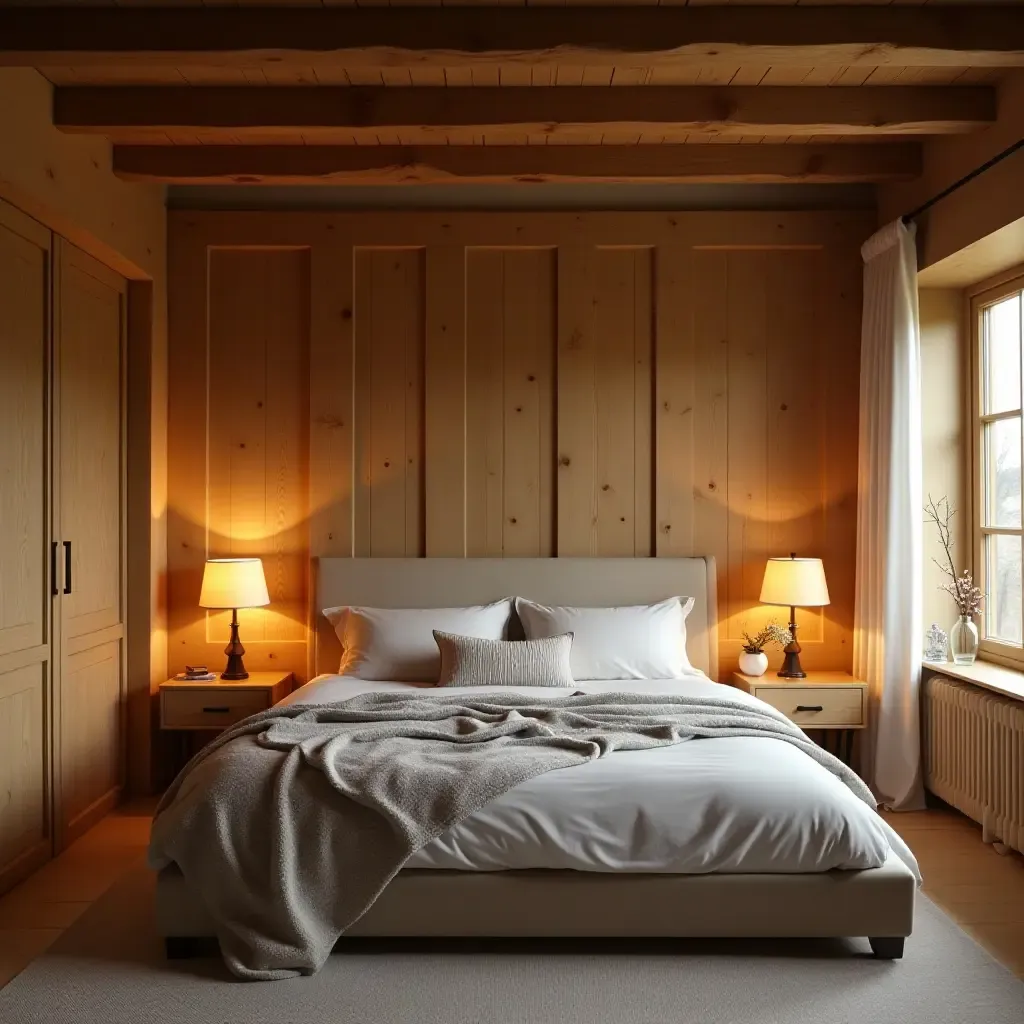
62	542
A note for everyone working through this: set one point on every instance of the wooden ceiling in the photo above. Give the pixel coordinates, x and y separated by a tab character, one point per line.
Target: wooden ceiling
324	92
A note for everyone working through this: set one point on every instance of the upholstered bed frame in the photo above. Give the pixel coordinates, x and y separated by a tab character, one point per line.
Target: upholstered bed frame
877	903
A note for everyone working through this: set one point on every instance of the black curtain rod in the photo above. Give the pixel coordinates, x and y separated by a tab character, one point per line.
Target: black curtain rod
1009	151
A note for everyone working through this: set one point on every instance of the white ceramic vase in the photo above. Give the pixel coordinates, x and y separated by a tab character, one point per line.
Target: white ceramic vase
753	664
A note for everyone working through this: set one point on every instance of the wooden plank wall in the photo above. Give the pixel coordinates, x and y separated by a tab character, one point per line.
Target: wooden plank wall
511	385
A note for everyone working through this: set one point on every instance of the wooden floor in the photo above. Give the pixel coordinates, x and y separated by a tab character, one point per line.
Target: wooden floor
981	890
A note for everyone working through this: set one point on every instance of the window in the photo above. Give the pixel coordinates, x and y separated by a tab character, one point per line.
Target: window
999	533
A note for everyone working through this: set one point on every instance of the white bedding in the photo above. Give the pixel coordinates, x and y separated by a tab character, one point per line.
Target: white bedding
735	804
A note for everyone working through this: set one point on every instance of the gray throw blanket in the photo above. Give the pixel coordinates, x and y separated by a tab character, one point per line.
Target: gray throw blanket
291	823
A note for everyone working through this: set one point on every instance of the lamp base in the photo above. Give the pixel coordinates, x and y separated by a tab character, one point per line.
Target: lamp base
791	667
235	669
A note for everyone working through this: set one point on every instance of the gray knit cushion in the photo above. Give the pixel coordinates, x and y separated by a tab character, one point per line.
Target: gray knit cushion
469	661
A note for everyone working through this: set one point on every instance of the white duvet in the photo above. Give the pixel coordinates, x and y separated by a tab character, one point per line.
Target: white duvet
731	804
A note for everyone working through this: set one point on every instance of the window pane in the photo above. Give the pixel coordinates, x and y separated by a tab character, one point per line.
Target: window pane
1001	331
1002	473
1003	599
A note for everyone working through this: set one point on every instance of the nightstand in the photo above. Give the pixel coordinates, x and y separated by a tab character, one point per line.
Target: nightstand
833	702
214	705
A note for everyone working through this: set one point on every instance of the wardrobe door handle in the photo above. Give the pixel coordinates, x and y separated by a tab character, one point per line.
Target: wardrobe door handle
53	568
67	567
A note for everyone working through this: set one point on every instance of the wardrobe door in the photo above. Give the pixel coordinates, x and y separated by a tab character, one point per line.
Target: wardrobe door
90	494
25	834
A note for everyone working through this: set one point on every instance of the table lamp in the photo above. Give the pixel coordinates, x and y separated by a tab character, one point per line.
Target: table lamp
799	583
234	583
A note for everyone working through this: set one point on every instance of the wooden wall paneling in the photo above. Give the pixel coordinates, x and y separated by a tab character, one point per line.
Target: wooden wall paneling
621	342
577	498
362	400
331	410
389	332
741	573
529	330
604	407
710	415
795	427
445	399
188	274
90	514
25	612
258	441
661	347
639	285
237	442
510	402
286	563
331	380
486	348
675	384
837	336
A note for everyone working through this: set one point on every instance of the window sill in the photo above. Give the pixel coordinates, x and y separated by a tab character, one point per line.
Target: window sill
986	674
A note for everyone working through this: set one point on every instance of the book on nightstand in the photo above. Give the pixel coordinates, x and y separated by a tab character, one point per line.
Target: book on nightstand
195	674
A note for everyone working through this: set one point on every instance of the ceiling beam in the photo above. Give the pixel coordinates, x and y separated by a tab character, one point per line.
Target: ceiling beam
554	111
377	165
967	34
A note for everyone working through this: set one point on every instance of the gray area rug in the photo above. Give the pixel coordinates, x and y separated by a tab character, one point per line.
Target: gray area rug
109	968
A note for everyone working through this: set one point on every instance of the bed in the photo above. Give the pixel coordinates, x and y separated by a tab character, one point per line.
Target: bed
589	884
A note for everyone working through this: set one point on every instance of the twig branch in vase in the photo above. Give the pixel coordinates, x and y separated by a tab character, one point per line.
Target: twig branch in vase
966	596
773	633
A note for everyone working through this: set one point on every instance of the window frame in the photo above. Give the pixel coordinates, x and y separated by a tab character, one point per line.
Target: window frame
984	295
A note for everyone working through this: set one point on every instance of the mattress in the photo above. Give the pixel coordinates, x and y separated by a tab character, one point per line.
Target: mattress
724	805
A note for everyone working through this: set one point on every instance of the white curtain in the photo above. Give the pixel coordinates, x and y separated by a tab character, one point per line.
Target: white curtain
888	613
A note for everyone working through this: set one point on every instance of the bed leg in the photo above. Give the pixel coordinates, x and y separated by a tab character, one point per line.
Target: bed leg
887	948
181	947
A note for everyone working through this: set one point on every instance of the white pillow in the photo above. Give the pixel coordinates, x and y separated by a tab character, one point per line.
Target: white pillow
645	641
398	643
467	661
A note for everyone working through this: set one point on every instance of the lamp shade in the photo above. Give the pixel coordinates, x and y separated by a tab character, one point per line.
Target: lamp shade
797	582
234	583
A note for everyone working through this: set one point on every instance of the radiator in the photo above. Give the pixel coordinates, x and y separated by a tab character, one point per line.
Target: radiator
974	756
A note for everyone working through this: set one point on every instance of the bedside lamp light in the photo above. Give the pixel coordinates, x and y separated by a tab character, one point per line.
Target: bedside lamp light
234	583
798	583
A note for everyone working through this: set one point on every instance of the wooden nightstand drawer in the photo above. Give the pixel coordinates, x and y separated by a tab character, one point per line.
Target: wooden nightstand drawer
214	705
832	705
215	708
817	707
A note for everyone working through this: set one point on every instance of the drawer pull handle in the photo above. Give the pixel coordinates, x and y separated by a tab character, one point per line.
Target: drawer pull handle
809	707
216	711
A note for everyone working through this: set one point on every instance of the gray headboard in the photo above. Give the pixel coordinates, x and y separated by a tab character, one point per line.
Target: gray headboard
452	582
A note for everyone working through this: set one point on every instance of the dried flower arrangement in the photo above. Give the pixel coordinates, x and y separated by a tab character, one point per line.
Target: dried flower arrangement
966	596
773	633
